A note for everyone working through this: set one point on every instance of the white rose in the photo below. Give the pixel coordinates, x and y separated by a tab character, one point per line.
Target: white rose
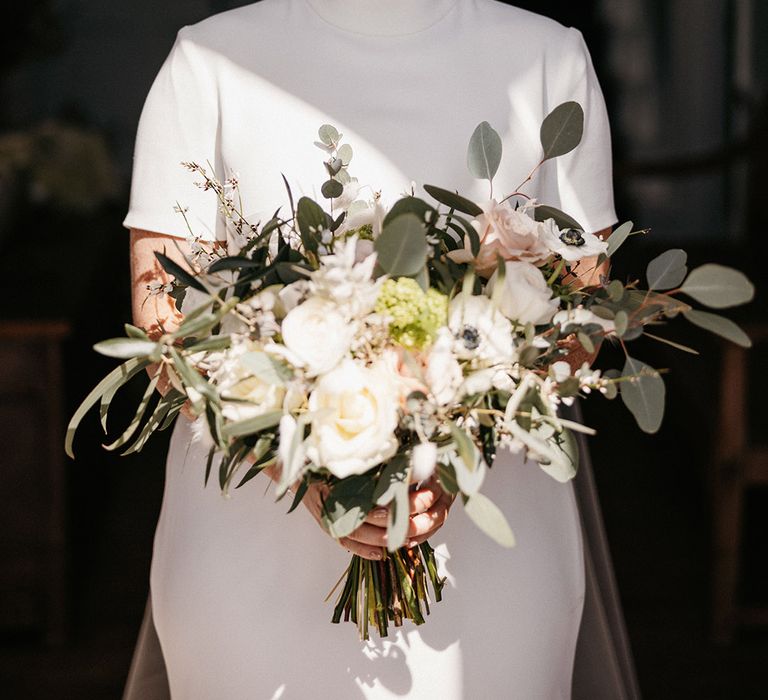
527	298
317	335
480	330
354	416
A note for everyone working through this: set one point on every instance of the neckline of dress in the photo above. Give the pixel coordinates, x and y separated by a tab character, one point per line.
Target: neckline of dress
382	17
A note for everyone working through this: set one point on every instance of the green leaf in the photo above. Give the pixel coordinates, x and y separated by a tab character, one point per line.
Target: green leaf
125	348
349	501
312	220
562	129
643	394
719	325
135	332
562	220
201	324
299	495
487	516
395	472
116	378
617	238
233	262
345	153
331	188
447	476
484	152
402	246
181	275
586	342
399	517
109	394
621	322
214	342
718	286
156	420
140	411
408	205
251	426
453	200
464	446
328	134
266	367
671	343
667	270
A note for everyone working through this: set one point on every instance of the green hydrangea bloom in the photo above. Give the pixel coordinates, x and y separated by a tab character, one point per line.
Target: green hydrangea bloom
415	315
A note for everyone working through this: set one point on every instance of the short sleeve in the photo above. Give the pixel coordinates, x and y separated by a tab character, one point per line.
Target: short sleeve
585	175
179	122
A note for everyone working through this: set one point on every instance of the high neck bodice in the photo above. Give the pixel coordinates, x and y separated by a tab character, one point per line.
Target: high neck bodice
382	17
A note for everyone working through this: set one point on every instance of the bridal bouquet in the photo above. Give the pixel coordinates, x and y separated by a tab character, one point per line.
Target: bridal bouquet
372	349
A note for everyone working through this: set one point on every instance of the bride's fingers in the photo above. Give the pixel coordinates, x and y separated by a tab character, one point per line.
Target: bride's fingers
361	549
422	499
425	524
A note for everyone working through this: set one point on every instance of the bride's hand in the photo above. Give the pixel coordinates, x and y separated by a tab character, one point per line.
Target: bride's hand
429	509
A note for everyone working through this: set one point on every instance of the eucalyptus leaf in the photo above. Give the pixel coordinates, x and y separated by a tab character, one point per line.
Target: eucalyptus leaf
621	323
399	518
470	479
643	393
487	516
312	220
395	472
348	502
563	220
402	246
718	286
408	205
328	134
667	270
719	325
562	129
125	348
484	151
331	188
453	200
345	153
617	238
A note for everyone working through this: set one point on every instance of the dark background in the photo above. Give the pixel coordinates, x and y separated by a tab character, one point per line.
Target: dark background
685	82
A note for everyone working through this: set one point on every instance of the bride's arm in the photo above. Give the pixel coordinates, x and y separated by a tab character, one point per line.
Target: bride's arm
158	313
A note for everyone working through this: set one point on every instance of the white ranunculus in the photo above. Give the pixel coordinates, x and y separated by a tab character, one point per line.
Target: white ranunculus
526	298
584	244
480	330
443	373
569	319
354	415
423	461
317	335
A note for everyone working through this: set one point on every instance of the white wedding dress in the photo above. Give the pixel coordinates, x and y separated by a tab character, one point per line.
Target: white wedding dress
237	586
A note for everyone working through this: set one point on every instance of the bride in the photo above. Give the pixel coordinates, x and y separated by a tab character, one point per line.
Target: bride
236	584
